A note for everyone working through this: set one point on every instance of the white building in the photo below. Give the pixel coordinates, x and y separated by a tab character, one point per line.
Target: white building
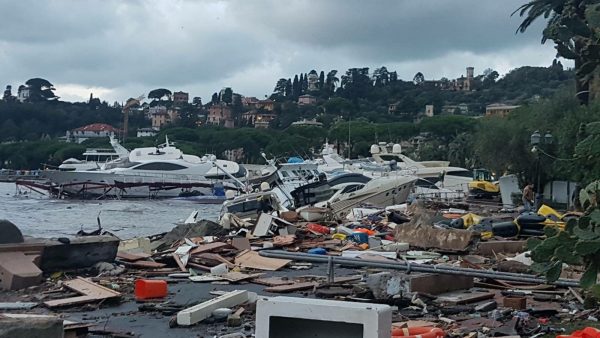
23	94
146	132
91	131
305	122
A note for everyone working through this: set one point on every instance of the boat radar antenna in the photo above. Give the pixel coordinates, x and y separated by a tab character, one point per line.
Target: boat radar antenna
269	162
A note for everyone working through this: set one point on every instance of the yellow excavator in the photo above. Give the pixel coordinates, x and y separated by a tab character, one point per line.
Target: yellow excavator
483	185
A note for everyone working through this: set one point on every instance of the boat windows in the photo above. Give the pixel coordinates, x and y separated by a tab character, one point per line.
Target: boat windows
164	166
425	184
245	206
351	188
285	174
460	173
391	157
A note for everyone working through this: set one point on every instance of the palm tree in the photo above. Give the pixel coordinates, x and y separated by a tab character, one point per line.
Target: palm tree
332	80
571	26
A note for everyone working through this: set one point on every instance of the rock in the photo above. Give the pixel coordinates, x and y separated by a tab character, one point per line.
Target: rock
199	229
512	266
10	233
221	313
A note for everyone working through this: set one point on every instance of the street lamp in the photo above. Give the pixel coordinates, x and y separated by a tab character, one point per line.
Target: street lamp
535	140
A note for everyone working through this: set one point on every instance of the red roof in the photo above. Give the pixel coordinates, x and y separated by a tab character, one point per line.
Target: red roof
97	127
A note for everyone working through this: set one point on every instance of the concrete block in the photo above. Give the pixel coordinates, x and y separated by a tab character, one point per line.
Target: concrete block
45	327
194	314
385	284
436	284
289	317
17	271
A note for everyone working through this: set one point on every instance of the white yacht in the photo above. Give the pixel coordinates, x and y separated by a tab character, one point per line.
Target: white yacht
380	192
162	171
95	158
388	161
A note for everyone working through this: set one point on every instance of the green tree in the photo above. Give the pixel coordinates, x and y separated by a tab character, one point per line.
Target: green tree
321	79
40	90
419	79
279	91
574	26
381	76
159	94
227	95
331	80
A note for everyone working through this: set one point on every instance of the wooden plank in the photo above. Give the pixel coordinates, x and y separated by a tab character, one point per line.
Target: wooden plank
214	258
90	290
145	264
234	276
346	279
262	225
132	257
69	301
205	278
458	298
241	243
252	260
291	287
179	262
284	240
273	281
208	247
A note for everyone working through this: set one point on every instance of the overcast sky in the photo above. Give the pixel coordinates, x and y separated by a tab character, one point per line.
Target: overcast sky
119	49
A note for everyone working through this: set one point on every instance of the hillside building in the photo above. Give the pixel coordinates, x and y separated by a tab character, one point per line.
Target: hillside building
94	130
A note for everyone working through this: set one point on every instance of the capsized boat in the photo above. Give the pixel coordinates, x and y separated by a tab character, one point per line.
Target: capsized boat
380	192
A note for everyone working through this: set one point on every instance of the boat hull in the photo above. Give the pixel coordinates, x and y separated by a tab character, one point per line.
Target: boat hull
118	185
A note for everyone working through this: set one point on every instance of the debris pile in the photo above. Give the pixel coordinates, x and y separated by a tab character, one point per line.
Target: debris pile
434	272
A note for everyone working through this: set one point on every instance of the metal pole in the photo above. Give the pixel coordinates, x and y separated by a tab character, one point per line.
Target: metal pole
515	277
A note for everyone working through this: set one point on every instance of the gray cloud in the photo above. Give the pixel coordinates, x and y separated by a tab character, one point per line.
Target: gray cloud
200	46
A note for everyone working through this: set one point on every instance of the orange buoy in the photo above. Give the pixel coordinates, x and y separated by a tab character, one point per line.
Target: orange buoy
418	332
150	288
588	332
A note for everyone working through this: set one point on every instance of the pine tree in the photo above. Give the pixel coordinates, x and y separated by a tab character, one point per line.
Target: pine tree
321	79
289	92
305	83
296	89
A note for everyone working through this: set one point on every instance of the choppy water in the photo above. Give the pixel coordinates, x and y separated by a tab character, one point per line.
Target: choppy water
40	216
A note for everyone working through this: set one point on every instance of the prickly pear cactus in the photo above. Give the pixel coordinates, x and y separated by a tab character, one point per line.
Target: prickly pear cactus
579	244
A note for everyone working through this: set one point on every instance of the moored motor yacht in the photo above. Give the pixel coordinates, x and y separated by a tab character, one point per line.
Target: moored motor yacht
388	160
162	171
95	158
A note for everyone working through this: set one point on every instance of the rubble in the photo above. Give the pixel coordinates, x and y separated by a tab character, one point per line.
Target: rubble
421	269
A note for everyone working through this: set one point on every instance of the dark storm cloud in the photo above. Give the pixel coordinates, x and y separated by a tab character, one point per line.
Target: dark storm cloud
200	46
387	30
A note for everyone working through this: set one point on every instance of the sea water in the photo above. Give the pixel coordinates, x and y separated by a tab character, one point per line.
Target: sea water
41	216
